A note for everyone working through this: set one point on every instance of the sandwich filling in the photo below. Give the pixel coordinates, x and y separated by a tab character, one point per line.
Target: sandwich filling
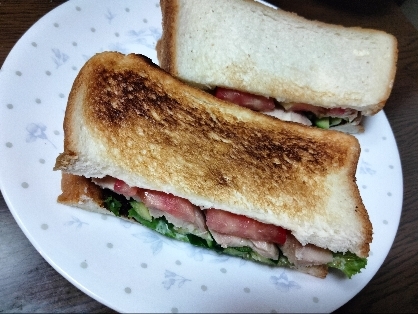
303	113
219	230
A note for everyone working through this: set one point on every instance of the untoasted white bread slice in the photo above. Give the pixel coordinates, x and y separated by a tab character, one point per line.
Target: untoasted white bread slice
247	46
129	119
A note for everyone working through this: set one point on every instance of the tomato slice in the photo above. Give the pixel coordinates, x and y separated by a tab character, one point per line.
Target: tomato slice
241	226
251	101
176	206
122	188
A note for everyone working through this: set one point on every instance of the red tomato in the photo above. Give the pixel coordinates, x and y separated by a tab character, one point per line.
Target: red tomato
174	205
254	102
122	188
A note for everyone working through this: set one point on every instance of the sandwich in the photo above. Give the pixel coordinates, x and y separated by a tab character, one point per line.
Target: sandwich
142	145
278	62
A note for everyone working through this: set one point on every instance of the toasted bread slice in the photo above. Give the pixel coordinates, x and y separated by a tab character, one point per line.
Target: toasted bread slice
247	46
129	119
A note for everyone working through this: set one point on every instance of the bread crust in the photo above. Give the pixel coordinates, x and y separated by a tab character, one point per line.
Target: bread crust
166	48
78	190
242	71
129	119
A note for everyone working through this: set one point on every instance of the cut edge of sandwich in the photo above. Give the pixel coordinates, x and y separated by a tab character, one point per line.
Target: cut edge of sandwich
185	63
81	192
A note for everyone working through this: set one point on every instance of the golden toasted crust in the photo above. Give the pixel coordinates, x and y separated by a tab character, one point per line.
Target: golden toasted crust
320	271
153	130
77	189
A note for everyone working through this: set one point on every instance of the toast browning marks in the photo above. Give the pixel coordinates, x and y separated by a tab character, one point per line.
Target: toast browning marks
128	119
247	46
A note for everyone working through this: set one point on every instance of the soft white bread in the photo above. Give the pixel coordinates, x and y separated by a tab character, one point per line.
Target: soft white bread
129	119
247	46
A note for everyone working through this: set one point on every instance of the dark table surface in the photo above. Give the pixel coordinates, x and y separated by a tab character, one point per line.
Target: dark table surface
29	284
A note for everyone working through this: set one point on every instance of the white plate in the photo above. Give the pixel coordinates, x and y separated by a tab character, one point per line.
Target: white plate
123	265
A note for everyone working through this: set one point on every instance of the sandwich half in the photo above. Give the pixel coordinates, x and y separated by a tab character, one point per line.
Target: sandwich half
142	145
308	71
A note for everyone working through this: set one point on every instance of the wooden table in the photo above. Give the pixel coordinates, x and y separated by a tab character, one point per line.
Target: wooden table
29	284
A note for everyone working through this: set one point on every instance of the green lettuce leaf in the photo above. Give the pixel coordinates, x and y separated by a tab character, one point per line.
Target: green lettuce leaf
113	205
349	263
